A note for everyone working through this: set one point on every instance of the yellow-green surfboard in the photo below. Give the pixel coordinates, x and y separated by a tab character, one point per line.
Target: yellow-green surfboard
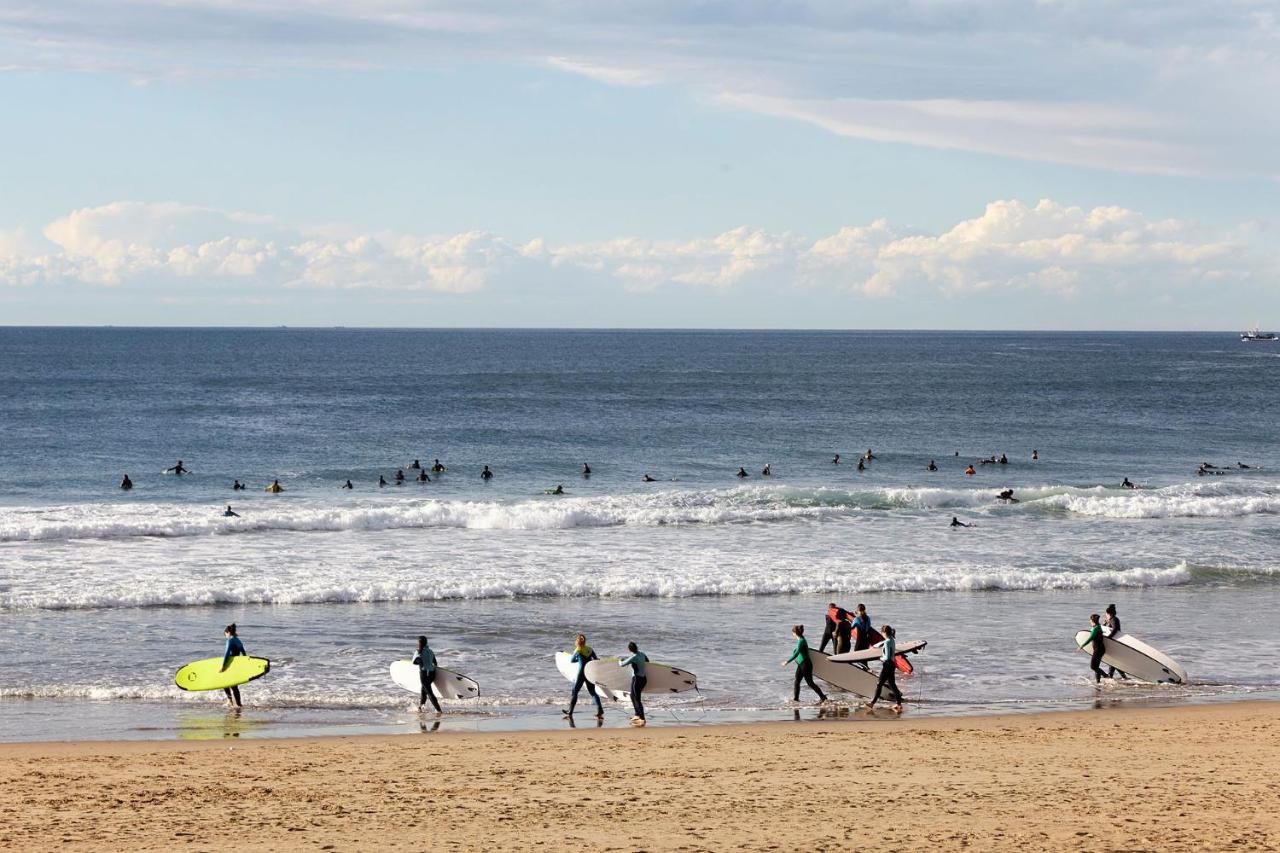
205	674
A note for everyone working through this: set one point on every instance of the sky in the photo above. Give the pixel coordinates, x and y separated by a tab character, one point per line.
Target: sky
1061	164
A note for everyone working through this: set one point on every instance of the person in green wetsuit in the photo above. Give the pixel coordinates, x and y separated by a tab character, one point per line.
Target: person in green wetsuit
636	661
582	655
1095	645
426	661
888	649
804	665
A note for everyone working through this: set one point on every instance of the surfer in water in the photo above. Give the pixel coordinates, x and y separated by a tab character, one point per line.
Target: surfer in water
970	471
230	513
869	455
382	481
742	473
1094	645
586	470
126	483
422	476
1007	496
1111	623
486	474
835	460
932	466
178	469
888	650
347	485
636	661
415	466
399	477
647	479
1035	455
426	661
1127	485
275	488
237	486
767	470
804	665
861	466
436	467
582	655
955	522
234	648
558	490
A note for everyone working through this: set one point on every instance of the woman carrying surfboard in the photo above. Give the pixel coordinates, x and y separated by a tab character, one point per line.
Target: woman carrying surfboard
636	661
804	665
234	648
1095	645
582	655
426	661
888	667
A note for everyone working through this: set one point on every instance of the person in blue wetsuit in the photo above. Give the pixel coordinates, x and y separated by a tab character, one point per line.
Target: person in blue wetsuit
1094	644
582	655
804	665
888	650
636	661
234	648
862	624
426	661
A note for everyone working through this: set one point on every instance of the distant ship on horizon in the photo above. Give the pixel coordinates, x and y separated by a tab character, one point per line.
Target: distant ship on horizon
1255	335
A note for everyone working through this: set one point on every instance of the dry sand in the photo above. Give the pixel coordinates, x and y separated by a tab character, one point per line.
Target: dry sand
1191	778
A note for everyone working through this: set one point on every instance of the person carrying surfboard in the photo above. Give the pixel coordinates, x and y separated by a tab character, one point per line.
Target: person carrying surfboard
1095	645
1111	623
582	655
888	667
636	661
234	648
426	661
862	625
804	665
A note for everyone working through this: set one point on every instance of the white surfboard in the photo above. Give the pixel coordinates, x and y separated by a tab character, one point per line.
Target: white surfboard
874	654
446	685
1136	659
844	676
615	680
569	669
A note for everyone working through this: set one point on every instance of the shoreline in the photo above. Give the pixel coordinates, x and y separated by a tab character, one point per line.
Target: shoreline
1186	777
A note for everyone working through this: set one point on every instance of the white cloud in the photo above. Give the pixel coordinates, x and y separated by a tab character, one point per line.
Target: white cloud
1179	86
1048	248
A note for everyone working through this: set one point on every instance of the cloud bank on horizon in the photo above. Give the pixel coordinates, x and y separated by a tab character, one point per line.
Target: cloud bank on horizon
1176	91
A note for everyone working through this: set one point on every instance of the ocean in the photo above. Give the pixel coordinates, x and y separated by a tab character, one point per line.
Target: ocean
105	593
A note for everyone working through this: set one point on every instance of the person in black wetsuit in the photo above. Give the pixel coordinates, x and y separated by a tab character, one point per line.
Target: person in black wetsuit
767	470
426	661
955	522
422	476
436	467
178	469
486	474
399	477
1094	645
861	466
347	485
828	626
844	631
126	483
888	676
804	665
238	486
932	466
583	655
382	481
862	622
1111	622
230	513
1127	485
742	472
647	479
586	470
233	648
558	490
416	464
835	460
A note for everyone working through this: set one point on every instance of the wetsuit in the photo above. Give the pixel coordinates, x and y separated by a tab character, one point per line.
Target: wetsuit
844	629
863	623
426	661
888	649
1095	644
804	669
638	680
828	632
1113	622
581	656
234	648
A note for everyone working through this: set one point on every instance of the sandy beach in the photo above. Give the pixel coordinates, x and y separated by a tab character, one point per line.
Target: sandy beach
1190	778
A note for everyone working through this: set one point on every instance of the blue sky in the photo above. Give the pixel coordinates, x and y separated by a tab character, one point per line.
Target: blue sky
859	165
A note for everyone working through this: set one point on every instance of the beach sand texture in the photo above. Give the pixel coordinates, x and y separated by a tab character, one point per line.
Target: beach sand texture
1192	778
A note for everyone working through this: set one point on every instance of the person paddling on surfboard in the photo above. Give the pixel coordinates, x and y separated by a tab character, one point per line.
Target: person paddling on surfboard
178	469
234	648
636	661
888	669
1111	625
436	467
582	655
230	513
426	661
804	665
1094	644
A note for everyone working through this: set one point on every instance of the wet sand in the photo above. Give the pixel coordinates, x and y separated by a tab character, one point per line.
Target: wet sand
1187	778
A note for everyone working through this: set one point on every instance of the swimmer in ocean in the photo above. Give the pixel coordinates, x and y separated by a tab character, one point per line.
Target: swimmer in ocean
126	483
742	472
416	465
399	477
932	466
586	470
955	522
767	470
486	474
1035	455
1007	495
1004	460
647	479
347	485
558	490
836	459
178	469
861	467
436	467
970	471
422	476
230	513
382	481
237	486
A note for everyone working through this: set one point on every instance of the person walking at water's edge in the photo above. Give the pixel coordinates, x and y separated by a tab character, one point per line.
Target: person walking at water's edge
426	662
582	655
1095	646
636	661
888	650
1111	627
804	665
234	648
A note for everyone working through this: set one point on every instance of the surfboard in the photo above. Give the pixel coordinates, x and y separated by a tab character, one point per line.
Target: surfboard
874	654
207	674
446	685
569	669
844	676
607	675
1137	660
900	661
